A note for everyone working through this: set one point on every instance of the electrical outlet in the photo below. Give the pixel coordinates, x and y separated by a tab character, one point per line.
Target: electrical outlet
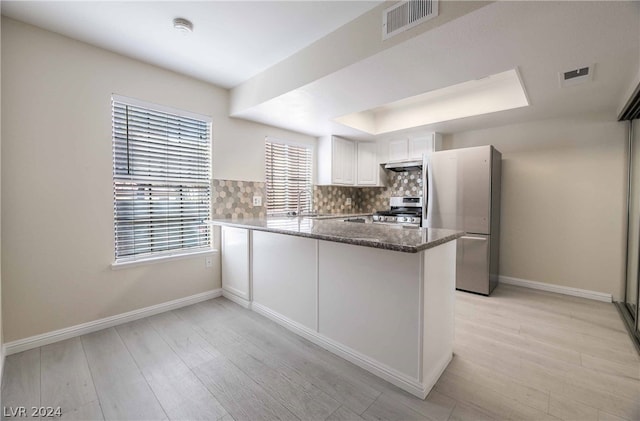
208	261
257	200
348	201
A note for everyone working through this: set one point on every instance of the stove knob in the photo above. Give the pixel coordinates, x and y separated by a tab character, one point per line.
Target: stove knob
389	218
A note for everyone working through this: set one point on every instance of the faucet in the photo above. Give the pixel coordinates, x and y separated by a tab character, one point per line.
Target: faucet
300	194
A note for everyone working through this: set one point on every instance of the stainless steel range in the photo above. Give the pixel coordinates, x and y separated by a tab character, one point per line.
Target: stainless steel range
405	211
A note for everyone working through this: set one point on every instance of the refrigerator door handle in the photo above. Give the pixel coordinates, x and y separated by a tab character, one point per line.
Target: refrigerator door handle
428	188
466	237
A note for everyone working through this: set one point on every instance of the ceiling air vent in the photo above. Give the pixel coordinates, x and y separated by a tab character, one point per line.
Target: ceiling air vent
407	14
576	76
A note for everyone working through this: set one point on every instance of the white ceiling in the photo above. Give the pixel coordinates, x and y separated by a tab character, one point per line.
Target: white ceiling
540	39
231	42
236	40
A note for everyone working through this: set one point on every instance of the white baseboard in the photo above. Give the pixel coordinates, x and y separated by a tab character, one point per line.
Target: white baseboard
389	374
560	289
431	378
84	328
238	300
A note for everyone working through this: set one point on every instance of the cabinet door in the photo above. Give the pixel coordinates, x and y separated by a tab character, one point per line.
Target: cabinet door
419	146
398	150
342	161
349	162
367	164
337	161
235	261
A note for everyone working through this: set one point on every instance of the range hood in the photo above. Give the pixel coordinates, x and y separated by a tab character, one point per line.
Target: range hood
402	166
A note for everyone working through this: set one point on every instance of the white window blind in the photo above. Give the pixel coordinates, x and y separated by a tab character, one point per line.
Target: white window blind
288	172
161	181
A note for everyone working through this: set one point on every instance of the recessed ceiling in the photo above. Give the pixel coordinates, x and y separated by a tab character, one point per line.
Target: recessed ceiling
499	92
540	39
231	40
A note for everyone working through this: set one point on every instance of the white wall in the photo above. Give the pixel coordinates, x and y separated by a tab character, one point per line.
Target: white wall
355	41
57	207
563	200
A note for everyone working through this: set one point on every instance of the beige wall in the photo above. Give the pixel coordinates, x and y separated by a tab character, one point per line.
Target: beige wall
563	200
57	207
1	329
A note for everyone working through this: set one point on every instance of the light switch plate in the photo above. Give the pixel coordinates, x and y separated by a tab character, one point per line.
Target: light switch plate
257	200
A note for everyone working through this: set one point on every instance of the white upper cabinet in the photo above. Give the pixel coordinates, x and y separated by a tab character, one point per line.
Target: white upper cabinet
368	168
348	156
346	162
336	161
418	146
414	146
398	150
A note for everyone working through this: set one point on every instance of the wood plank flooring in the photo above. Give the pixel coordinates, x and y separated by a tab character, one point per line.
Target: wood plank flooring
519	355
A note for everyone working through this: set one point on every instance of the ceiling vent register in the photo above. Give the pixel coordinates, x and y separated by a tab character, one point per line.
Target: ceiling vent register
576	76
407	14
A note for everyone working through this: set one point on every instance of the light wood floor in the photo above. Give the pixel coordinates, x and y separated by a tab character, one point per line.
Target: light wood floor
520	354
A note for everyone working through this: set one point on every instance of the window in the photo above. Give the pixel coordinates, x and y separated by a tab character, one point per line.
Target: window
161	180
288	172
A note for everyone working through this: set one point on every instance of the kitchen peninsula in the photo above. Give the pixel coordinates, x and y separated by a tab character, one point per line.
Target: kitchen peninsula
379	296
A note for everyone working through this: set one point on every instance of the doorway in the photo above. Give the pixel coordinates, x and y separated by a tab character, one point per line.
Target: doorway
629	306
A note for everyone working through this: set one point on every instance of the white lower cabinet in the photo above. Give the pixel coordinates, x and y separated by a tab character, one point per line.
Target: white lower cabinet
389	312
284	276
370	301
235	262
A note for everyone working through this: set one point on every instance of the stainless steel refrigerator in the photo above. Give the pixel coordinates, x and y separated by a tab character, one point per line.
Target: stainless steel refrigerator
462	188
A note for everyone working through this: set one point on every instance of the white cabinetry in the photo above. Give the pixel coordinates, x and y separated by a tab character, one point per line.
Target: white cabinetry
360	308
236	274
414	146
344	152
348	163
398	150
285	278
336	161
339	297
368	170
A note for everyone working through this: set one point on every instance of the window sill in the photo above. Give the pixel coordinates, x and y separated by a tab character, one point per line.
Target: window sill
161	259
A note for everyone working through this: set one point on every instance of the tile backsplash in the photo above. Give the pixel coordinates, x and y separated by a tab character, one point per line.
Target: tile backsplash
332	199
405	183
234	199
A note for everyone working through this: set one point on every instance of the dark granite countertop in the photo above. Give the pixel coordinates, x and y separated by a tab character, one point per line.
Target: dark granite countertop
387	237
